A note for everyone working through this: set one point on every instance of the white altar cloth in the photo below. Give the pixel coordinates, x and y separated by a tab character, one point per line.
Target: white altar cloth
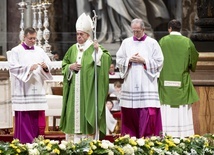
54	105
54	108
4	65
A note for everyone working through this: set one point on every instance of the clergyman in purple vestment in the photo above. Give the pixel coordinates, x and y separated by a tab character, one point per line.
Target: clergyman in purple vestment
29	68
140	61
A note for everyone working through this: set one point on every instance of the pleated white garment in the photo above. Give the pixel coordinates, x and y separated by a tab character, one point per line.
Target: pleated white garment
177	122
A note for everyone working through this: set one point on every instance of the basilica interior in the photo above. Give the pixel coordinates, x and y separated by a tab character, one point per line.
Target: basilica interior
57	18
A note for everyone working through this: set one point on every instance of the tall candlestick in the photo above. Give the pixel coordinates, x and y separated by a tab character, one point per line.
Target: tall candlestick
46	32
22	7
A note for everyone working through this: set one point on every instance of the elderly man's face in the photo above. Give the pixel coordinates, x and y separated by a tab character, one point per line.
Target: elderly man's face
82	37
137	30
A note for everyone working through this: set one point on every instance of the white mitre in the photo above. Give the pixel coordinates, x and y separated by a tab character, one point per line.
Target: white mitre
84	23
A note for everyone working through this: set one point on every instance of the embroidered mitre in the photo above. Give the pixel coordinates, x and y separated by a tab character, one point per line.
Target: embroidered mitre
84	23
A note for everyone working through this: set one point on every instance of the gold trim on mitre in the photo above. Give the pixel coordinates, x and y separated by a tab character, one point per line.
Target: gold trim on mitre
84	23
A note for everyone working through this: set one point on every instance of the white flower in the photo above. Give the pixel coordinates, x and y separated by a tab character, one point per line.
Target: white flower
64	142
174	153
168	153
126	136
140	142
128	149
86	150
62	146
176	140
110	152
33	152
110	145
182	145
184	139
104	145
187	153
157	150
153	138
134	138
30	146
54	142
41	143
135	148
107	142
35	144
193	152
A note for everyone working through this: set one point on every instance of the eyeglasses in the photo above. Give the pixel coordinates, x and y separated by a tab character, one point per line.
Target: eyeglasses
32	38
136	31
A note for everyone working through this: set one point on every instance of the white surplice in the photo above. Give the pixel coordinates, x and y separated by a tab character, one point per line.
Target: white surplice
111	122
140	88
177	121
28	92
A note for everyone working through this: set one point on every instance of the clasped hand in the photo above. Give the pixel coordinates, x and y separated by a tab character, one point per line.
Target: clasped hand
137	59
75	66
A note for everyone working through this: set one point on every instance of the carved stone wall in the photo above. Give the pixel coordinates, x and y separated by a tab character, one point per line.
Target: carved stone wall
203	37
189	16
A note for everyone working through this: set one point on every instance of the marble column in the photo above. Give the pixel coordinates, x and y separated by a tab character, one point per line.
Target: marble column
3	28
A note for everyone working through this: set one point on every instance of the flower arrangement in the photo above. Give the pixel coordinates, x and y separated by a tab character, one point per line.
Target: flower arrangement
126	145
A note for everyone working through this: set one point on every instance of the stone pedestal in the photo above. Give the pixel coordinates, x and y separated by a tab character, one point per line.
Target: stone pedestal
203	80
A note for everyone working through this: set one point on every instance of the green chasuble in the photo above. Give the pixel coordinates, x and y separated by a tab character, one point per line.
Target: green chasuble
180	57
85	109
